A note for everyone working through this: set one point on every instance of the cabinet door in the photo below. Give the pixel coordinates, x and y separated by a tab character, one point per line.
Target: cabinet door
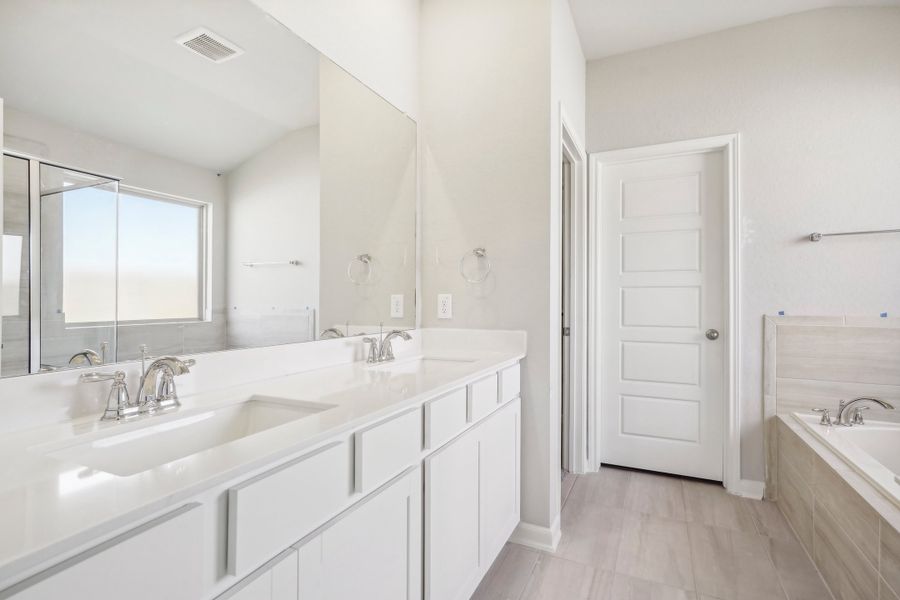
498	496
373	551
451	519
276	580
160	559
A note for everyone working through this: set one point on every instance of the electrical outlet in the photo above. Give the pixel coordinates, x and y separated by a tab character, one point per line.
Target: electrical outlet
396	306
445	306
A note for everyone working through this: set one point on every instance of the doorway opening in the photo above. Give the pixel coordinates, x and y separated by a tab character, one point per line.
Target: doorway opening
573	304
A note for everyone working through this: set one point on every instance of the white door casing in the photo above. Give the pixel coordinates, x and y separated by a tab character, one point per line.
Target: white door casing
663	284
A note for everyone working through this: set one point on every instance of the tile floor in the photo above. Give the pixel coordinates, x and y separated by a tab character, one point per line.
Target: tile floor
630	535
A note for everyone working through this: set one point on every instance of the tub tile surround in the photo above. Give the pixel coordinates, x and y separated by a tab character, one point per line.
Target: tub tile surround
50	511
844	522
817	361
848	527
739	549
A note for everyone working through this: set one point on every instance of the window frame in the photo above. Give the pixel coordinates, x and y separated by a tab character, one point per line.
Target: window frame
204	254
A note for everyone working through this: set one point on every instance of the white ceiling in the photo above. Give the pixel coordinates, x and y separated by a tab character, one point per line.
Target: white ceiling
113	69
609	27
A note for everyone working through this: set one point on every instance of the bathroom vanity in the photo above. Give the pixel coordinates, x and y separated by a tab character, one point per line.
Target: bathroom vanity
393	480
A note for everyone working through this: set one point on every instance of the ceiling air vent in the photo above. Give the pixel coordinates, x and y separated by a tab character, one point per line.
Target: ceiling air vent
209	45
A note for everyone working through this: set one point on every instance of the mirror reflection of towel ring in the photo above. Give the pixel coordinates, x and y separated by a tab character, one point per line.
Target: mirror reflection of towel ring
476	261
361	270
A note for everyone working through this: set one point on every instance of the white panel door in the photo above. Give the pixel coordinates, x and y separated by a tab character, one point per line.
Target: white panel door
663	281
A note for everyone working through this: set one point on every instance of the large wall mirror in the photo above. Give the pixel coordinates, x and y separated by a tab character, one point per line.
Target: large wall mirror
184	177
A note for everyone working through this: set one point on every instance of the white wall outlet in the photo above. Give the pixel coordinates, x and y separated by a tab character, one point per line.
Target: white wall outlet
445	306
396	306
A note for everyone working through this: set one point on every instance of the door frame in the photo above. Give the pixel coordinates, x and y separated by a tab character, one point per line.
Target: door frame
729	145
578	442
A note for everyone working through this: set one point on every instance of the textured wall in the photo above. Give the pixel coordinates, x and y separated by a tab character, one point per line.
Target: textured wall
815	99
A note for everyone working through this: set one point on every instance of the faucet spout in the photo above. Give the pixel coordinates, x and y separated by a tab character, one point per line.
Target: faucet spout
157	389
843	406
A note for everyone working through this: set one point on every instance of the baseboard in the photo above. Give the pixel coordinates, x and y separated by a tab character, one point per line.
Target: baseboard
749	488
536	536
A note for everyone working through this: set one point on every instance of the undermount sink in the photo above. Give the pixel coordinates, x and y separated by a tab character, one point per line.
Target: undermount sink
422	364
163	439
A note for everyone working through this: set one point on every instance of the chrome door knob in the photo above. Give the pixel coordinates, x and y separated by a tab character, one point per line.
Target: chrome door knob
712	334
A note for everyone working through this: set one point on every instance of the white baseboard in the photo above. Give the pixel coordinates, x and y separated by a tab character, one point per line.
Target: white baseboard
536	536
749	488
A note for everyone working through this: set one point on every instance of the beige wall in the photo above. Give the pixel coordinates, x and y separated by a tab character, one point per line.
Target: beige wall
273	216
368	205
485	106
815	99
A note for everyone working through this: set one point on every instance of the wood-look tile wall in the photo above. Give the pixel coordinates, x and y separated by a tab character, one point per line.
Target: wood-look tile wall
814	362
856	551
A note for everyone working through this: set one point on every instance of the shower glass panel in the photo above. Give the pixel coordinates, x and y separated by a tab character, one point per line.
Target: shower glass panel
78	268
16	299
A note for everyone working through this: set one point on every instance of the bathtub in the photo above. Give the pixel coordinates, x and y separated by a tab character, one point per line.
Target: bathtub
872	450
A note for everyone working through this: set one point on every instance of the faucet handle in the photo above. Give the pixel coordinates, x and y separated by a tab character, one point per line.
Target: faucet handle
373	349
826	416
857	418
118	403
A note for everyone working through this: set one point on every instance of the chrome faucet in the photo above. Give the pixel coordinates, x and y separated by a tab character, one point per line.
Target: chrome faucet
387	350
382	350
856	416
118	404
157	389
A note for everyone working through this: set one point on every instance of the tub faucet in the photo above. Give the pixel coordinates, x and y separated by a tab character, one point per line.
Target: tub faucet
856	416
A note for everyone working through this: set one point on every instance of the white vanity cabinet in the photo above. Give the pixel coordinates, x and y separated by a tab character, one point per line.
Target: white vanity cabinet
414	503
159	559
276	580
372	551
471	504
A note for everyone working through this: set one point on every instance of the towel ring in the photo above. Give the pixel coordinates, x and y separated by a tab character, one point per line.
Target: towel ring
479	255
367	274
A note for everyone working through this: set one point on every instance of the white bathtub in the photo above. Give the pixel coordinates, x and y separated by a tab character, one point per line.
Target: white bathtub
872	450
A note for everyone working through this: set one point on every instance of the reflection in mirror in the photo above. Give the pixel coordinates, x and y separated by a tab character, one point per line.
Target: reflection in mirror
185	197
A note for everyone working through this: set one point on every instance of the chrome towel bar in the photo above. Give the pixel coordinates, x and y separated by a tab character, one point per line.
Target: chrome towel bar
817	237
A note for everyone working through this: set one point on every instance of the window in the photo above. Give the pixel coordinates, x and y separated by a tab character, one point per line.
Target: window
162	257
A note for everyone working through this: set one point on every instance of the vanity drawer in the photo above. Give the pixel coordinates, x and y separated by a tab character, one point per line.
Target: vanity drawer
482	397
510	383
130	565
273	510
384	449
445	417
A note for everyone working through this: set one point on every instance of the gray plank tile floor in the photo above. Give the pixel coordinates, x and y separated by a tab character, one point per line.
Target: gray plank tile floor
629	535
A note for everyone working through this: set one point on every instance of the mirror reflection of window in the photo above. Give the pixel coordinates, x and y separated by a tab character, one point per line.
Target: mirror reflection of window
12	274
162	257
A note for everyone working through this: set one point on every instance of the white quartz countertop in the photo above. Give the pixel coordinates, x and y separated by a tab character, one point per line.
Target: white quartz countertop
49	507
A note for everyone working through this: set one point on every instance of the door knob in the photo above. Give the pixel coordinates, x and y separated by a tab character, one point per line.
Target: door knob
712	334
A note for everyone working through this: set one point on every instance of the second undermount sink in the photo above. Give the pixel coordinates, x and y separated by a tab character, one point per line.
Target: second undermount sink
163	439
421	364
